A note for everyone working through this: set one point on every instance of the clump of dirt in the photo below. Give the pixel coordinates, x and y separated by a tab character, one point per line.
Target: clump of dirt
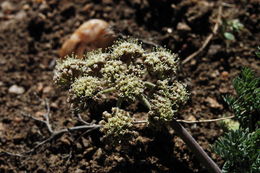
31	32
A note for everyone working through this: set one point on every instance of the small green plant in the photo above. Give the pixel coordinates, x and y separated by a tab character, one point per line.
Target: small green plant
230	27
240	148
124	75
246	105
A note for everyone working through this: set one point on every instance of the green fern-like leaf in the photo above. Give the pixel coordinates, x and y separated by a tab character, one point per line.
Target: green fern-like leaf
246	105
241	150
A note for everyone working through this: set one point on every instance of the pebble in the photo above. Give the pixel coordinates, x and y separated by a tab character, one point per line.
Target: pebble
39	87
183	27
26	7
97	154
15	89
191	118
213	103
225	74
65	140
169	30
39	115
54	105
47	89
17	119
223	90
214	74
7	7
87	7
2	127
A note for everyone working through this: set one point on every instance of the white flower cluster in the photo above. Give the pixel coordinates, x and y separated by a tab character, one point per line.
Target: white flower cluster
117	124
161	63
167	99
85	86
68	70
124	72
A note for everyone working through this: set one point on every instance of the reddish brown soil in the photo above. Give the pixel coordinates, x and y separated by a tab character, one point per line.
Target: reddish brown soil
32	31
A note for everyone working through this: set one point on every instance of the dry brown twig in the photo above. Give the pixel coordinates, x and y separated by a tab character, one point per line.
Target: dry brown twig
192	122
89	127
208	39
205	121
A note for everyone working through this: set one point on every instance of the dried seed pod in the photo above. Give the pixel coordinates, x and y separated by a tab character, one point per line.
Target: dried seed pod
93	34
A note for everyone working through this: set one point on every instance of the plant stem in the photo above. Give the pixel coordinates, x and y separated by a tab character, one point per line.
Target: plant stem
108	90
149	85
119	102
204	159
144	101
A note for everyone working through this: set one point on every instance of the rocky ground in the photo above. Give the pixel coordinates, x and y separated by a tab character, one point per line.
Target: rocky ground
31	33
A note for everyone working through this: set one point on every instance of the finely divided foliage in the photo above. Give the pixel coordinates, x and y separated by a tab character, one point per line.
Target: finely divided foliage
241	148
128	74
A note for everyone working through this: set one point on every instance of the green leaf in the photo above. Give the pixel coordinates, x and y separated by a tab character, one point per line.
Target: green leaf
236	25
229	36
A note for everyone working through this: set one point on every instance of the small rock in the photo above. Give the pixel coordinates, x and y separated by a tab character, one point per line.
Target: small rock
169	30
118	158
15	89
191	118
65	140
87	7
97	154
43	6
47	89
193	62
54	105
79	146
26	7
223	90
39	115
214	74
7	7
224	74
1	83
214	103
39	87
85	142
183	27
17	119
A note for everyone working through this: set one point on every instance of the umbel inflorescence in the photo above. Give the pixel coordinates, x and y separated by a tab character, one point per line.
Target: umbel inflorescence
127	74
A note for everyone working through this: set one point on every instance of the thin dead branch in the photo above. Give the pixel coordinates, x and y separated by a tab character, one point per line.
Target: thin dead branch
208	39
54	133
205	121
191	122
